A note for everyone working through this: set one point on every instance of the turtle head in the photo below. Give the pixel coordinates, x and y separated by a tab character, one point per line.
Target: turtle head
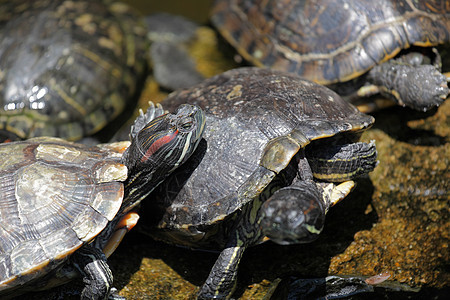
160	147
294	214
167	141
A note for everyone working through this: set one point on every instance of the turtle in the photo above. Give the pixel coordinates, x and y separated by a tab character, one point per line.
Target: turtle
68	67
351	42
65	206
276	153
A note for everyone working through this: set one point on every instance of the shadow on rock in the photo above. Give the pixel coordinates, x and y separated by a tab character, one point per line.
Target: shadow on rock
394	122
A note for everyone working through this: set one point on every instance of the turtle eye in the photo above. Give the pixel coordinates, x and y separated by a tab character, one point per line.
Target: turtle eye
186	124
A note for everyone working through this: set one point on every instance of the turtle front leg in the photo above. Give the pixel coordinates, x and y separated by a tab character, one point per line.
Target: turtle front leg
97	276
221	281
409	82
342	162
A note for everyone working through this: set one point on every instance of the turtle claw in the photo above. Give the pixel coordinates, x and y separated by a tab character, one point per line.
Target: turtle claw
419	87
333	193
153	111
434	92
114	295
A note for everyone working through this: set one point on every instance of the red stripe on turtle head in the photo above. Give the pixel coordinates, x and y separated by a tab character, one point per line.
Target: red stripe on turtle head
157	144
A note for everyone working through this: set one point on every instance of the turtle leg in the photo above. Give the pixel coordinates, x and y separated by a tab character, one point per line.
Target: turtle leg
338	163
410	82
125	224
221	280
91	263
304	169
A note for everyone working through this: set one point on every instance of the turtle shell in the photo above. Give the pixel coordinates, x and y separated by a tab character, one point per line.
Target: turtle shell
67	67
329	41
256	121
55	196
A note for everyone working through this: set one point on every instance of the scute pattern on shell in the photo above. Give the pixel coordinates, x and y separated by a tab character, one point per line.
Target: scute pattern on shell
245	108
54	197
67	67
327	41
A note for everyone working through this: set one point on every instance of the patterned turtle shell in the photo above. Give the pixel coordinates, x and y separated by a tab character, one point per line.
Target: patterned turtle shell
328	41
67	67
256	121
56	195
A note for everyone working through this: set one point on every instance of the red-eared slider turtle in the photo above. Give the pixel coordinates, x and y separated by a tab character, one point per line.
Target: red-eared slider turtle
67	67
259	122
61	202
336	41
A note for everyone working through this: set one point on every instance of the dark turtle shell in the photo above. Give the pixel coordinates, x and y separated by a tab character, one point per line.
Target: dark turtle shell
329	41
256	121
67	67
55	197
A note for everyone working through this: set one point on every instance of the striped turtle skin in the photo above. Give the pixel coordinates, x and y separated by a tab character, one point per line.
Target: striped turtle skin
67	67
265	130
64	206
329	42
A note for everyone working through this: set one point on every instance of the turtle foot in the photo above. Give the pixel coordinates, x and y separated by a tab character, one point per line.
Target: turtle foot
419	87
342	162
